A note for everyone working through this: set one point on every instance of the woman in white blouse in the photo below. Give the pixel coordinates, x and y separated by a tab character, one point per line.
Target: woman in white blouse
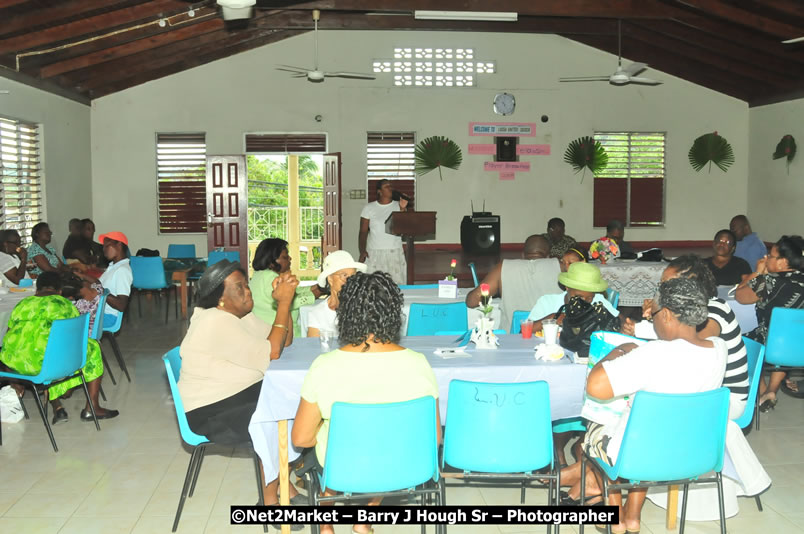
337	268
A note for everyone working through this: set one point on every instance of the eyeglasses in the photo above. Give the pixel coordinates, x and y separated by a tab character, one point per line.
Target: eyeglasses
724	242
653	314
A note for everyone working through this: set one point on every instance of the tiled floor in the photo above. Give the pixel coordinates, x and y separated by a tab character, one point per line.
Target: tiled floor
127	478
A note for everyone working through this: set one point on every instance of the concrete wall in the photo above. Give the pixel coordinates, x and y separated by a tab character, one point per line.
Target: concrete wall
65	150
244	93
776	196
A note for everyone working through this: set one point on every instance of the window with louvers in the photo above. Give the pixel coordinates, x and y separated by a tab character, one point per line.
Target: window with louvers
286	143
389	156
181	178
631	187
20	177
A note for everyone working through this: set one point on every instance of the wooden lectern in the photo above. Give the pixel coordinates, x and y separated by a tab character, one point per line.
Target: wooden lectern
411	225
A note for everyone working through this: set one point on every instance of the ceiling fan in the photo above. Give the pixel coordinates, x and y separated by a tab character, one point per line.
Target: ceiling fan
315	75
622	76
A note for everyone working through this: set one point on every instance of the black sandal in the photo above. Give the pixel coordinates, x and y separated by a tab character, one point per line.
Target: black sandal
798	393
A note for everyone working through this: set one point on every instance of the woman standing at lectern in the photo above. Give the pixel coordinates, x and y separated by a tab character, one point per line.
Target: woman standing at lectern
379	250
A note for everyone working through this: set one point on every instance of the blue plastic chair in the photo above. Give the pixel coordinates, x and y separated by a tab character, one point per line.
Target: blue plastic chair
111	325
357	461
217	255
670	439
783	348
518	316
474	273
613	297
181	251
149	276
64	359
418	286
198	442
756	358
500	431
427	319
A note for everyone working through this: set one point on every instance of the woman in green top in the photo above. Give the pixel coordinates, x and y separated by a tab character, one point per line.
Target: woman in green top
25	342
270	260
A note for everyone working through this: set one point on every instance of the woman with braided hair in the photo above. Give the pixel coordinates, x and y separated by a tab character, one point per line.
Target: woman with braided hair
370	367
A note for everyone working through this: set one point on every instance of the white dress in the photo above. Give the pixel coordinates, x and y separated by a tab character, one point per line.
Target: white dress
384	250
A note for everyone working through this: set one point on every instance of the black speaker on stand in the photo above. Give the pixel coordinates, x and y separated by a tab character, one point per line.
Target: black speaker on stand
480	234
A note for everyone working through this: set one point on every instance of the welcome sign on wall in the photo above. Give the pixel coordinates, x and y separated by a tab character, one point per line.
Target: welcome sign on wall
507	169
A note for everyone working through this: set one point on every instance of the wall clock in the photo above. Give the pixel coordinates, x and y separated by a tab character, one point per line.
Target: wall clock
504	104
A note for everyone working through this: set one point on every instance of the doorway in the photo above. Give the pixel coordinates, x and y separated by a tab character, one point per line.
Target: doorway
286	200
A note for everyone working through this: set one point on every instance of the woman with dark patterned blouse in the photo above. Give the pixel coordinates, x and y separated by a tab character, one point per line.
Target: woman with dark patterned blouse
777	283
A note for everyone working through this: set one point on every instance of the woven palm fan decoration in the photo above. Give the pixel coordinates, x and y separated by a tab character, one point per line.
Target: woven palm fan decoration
586	153
711	148
786	149
436	152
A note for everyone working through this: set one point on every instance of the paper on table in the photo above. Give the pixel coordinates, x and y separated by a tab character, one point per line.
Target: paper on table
450	352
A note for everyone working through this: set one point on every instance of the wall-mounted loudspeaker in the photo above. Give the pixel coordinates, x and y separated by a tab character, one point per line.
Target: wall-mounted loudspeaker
480	234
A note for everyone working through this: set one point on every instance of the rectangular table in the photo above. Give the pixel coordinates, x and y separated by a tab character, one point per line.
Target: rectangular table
513	362
426	296
178	270
635	280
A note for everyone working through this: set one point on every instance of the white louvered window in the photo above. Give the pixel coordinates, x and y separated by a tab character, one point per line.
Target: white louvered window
21	172
631	187
389	156
181	161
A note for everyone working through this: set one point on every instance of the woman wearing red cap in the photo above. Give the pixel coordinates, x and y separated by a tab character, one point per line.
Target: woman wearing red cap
118	276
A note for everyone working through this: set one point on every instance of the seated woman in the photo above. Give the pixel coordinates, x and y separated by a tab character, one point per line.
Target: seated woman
43	254
370	367
225	354
727	268
117	277
337	268
13	257
777	283
25	342
271	259
571	256
679	362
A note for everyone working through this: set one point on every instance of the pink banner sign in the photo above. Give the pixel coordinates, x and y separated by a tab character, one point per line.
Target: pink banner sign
511	166
505	129
485	149
532	150
507	175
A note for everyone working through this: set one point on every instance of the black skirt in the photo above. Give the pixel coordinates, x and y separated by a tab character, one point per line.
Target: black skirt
226	421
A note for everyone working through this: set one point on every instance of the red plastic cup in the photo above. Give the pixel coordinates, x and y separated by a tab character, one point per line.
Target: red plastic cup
526	327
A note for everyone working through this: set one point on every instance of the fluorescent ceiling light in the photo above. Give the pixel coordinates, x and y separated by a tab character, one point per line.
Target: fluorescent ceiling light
791	41
496	16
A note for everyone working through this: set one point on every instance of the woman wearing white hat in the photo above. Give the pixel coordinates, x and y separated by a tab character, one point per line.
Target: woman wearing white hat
337	268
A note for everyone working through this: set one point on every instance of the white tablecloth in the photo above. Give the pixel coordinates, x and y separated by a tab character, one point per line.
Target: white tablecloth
513	362
746	313
7	303
426	296
635	280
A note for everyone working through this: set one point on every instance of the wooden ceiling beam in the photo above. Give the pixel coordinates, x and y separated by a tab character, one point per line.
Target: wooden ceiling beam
545	8
708	41
46	85
9	3
90	26
181	33
704	55
37	18
749	19
210	53
682	67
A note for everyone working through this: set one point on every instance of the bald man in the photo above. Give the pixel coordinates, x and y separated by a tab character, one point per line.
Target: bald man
749	246
525	280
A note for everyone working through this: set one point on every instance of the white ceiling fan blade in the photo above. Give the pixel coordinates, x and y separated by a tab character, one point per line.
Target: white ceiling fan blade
635	68
585	79
644	81
354	75
291	68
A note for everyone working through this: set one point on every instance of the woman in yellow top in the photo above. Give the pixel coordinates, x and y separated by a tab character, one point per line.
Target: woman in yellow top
270	260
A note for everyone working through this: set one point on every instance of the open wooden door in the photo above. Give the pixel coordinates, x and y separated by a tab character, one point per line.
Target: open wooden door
331	238
227	217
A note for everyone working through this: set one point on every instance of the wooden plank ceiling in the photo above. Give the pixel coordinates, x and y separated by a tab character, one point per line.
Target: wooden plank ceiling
86	49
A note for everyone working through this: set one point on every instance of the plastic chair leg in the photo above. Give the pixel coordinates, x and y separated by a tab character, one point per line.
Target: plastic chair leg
106	367
44	418
24	410
167	303
86	392
187	478
117	354
686	489
720	503
197	470
759	503
258	472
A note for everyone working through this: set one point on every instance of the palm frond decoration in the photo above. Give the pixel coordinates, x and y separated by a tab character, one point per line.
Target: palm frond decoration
711	148
436	152
586	153
786	149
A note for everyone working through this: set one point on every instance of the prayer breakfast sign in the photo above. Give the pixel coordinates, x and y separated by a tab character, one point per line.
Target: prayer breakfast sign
507	169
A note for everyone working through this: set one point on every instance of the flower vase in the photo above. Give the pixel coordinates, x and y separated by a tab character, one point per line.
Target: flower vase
483	334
